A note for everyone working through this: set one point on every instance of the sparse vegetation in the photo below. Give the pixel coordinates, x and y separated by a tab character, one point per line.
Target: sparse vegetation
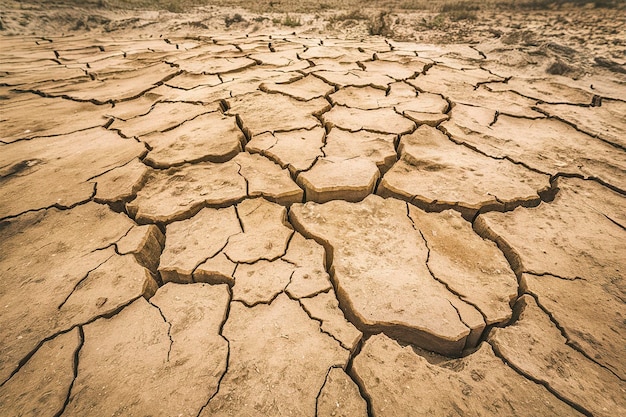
524	37
437	22
558	4
459	15
379	25
355	14
291	21
414	5
459	6
460	10
236	18
558	68
312	6
174	7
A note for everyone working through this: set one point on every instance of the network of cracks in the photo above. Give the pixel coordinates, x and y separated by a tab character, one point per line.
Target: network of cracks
280	225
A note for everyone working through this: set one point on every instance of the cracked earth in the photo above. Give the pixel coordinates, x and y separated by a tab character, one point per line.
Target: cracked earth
247	224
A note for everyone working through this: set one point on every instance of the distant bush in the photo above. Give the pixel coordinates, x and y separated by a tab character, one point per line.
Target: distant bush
174	7
291	22
414	5
379	25
458	15
353	15
459	6
237	18
437	22
558	68
555	4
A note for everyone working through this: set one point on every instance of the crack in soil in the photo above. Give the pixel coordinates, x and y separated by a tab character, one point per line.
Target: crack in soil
221	333
108	315
169	328
55	205
79	282
81	343
545	384
568	340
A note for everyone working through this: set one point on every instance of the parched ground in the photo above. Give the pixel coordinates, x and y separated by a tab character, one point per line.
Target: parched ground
221	219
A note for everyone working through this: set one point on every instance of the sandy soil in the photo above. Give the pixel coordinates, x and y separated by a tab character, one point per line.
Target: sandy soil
312	211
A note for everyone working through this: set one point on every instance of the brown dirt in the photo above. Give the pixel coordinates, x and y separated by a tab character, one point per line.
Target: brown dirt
313	209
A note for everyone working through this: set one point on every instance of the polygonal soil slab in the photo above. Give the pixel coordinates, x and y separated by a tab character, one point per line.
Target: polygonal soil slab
504	102
339	179
266	179
325	308
210	64
605	122
254	230
365	98
261	282
381	272
192	242
181	192
577	227
296	150
444	80
112	87
55	116
160	118
261	112
41	386
400	96
209	137
402	383
377	147
546	90
188	81
281	58
340	396
380	120
266	232
574	255
206	94
535	347
335	52
330	65
547	145
305	89
429	160
120	185
464	262
39	72
356	77
169	346
59	171
397	70
310	276
278	361
73	274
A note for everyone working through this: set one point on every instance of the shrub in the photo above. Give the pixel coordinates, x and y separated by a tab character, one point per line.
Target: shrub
413	5
459	15
291	22
237	18
353	15
378	25
174	7
558	68
459	6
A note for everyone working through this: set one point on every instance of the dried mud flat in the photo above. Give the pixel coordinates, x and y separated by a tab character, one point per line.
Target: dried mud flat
286	224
